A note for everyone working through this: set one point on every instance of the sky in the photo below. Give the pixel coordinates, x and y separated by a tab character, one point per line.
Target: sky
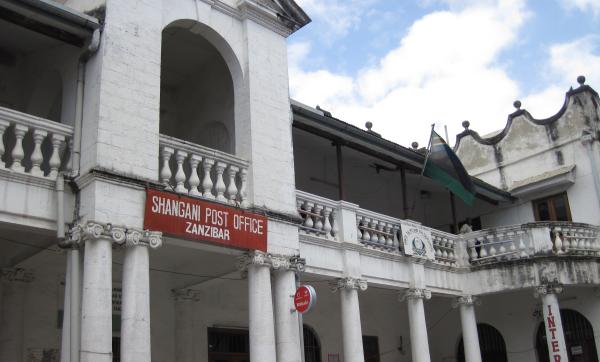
406	64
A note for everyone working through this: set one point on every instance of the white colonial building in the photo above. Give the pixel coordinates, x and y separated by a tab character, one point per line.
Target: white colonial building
161	198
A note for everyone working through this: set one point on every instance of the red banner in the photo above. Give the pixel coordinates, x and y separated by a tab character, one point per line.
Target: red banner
206	221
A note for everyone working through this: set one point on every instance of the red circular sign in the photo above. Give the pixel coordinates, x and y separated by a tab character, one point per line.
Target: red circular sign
305	298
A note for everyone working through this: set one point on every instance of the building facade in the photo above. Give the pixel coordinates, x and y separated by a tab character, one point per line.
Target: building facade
162	198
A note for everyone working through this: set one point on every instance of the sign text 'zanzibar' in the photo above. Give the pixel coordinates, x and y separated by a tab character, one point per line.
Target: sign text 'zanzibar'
200	220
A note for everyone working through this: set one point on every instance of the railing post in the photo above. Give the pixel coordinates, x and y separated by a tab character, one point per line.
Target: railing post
3	126
36	157
18	153
346	221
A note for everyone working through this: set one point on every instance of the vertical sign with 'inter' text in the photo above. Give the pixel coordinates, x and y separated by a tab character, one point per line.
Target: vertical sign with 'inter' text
206	221
554	332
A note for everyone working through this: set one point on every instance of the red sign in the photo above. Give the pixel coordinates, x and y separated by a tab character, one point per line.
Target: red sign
305	298
206	221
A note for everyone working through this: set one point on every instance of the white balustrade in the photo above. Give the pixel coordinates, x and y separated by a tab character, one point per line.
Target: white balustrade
575	238
444	245
199	171
319	215
378	231
33	145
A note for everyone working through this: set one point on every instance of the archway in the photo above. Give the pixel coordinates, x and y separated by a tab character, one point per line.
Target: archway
579	338
491	344
312	346
197	102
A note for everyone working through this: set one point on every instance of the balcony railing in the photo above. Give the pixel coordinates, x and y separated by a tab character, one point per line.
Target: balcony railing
202	172
533	239
32	145
321	218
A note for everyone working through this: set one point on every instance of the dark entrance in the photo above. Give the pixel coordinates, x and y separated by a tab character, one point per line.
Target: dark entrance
228	345
491	343
312	346
579	338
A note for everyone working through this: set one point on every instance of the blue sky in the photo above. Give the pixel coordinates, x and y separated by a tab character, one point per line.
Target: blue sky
406	64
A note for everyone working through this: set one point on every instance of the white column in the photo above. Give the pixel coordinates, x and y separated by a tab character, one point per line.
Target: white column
350	310
286	318
65	342
71	335
135	302
96	298
185	334
419	344
12	314
260	306
557	349
469	328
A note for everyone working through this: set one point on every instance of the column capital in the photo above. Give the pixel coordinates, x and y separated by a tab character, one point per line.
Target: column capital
348	283
187	295
254	257
16	275
548	287
288	262
416	293
466	300
120	235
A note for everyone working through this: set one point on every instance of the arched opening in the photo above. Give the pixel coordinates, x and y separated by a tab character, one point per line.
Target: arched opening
312	346
197	90
579	338
491	344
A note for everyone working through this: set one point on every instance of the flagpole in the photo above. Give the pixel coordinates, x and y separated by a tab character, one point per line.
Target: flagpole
414	204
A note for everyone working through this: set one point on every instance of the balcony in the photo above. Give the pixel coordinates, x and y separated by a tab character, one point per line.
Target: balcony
202	172
322	217
33	148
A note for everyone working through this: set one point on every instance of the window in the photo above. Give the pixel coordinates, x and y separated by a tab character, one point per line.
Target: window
312	347
552	208
228	345
371	348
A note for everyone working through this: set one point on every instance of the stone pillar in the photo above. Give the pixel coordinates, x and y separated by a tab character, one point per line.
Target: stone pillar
557	349
469	328
350	310
71	332
135	307
286	318
257	265
96	298
65	341
185	336
419	344
14	283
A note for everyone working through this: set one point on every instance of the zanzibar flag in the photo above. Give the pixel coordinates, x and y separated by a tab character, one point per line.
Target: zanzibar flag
442	165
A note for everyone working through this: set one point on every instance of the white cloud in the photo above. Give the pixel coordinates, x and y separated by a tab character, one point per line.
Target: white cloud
583	5
444	70
339	16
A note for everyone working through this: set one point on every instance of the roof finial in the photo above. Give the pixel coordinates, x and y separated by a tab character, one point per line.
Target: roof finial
415	145
369	125
581	80
466	125
517	104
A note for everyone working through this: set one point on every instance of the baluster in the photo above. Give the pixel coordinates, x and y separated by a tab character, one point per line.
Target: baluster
318	218
334	224
373	227
359	228
587	241
436	247
492	248
36	157
569	234
472	250
54	162
522	247
389	238
180	156
243	193
308	222
366	234
194	180
231	187
326	222
395	232
558	244
220	184
3	126
512	247
18	153
380	231
502	249
165	171
207	183
483	252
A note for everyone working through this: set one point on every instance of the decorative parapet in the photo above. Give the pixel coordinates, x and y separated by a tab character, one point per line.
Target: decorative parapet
119	235
348	283
16	275
416	293
319	215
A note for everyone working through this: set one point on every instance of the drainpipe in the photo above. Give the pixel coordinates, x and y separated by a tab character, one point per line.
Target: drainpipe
587	138
73	252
